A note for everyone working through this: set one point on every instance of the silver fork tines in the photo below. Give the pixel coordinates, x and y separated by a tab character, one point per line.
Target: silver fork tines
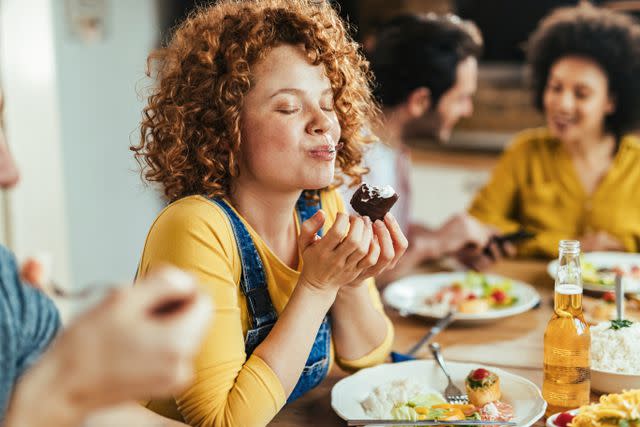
452	393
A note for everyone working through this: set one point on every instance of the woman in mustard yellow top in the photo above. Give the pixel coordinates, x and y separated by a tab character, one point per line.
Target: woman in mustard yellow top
256	102
578	178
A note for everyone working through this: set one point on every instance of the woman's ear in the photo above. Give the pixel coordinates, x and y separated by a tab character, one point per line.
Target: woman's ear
419	102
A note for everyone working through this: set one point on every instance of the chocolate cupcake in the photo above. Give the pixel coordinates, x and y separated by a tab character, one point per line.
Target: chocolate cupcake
372	201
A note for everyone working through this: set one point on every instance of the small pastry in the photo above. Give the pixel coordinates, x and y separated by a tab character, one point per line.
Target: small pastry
372	201
476	305
482	386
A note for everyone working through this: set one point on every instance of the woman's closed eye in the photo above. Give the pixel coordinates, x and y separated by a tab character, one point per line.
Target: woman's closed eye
288	109
555	88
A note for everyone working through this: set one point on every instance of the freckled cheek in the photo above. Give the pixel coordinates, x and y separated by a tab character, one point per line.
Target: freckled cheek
272	135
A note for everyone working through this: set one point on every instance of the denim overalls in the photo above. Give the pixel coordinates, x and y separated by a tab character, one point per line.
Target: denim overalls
261	312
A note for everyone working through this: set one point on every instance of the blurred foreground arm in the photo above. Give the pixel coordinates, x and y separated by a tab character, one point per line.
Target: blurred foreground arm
140	341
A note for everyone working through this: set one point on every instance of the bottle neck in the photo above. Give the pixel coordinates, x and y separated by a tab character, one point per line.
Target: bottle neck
569	270
568	285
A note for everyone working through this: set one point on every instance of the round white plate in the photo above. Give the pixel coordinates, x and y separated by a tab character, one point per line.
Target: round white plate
407	295
606	259
613	382
346	395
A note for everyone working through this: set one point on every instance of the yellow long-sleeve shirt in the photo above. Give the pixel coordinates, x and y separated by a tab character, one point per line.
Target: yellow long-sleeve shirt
535	185
229	388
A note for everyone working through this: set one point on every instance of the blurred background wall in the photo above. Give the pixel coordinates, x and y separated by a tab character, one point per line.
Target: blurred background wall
71	77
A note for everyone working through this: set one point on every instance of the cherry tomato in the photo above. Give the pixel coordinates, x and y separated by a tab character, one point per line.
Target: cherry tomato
499	296
480	374
564	419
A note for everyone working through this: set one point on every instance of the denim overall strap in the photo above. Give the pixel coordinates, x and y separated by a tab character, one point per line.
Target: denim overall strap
252	281
317	364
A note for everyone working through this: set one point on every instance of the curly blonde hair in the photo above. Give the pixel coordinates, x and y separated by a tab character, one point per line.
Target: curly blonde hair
190	130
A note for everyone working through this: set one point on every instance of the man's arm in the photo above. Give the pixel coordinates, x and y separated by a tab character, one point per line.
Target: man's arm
29	321
139	342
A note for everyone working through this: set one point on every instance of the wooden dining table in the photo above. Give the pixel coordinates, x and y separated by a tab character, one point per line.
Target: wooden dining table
514	344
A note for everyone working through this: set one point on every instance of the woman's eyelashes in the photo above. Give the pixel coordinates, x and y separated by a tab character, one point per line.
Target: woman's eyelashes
288	110
293	109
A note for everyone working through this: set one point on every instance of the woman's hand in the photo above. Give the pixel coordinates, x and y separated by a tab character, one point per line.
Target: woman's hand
600	241
333	260
351	250
387	247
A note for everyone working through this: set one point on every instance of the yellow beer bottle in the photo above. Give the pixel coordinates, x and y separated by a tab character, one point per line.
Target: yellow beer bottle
567	341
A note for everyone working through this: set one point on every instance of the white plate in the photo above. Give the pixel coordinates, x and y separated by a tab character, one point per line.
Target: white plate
346	395
606	259
613	382
407	296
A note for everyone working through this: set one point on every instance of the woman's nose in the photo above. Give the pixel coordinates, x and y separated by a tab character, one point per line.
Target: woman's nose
320	123
566	101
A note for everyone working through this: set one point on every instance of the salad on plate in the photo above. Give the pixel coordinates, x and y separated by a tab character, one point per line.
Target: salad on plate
474	294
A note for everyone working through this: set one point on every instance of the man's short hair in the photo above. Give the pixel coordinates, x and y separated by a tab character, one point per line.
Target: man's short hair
414	51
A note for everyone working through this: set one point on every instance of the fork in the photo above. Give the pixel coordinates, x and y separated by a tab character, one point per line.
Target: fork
452	393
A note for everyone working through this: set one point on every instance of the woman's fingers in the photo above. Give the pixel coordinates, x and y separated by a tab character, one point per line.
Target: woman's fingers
371	259
337	232
309	230
364	247
387	251
400	242
352	243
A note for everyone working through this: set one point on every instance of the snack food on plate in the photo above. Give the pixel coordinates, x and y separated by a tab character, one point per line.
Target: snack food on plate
474	294
606	275
613	410
603	309
410	400
372	201
483	387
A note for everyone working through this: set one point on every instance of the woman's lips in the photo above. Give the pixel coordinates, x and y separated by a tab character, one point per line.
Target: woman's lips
326	153
562	123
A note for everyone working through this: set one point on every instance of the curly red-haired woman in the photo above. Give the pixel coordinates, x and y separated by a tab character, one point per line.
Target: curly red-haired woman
256	102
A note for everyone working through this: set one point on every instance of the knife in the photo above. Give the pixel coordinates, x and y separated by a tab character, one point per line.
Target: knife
429	423
435	330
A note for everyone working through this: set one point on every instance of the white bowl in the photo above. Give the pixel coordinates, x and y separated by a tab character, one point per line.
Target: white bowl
613	382
551	420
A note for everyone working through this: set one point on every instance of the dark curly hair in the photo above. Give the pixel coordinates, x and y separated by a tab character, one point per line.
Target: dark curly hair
190	130
610	39
420	50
